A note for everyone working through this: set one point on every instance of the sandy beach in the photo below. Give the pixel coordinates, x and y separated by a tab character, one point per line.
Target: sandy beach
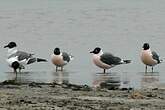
53	96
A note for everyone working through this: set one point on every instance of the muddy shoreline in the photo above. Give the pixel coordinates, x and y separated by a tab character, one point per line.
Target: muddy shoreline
53	96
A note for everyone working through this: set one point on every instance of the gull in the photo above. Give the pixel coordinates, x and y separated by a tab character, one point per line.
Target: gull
106	60
148	57
60	59
19	59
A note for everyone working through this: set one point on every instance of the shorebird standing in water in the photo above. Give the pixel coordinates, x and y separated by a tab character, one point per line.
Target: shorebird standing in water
148	57
60	59
19	59
106	60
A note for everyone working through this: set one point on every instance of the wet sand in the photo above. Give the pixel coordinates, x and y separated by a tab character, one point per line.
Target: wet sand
53	96
77	27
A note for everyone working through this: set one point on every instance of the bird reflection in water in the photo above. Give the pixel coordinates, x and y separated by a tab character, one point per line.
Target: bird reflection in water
110	81
20	78
150	80
61	77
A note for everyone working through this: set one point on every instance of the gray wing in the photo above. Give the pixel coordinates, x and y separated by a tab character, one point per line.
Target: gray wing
65	56
21	55
155	56
110	59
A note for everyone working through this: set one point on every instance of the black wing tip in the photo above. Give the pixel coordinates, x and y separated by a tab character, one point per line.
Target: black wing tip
41	60
127	61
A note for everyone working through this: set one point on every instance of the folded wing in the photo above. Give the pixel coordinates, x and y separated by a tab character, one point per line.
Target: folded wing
155	56
110	59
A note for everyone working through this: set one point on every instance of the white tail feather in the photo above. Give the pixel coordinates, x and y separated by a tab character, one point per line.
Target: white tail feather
161	60
71	57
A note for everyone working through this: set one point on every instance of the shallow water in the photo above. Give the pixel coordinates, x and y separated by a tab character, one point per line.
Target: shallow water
78	26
